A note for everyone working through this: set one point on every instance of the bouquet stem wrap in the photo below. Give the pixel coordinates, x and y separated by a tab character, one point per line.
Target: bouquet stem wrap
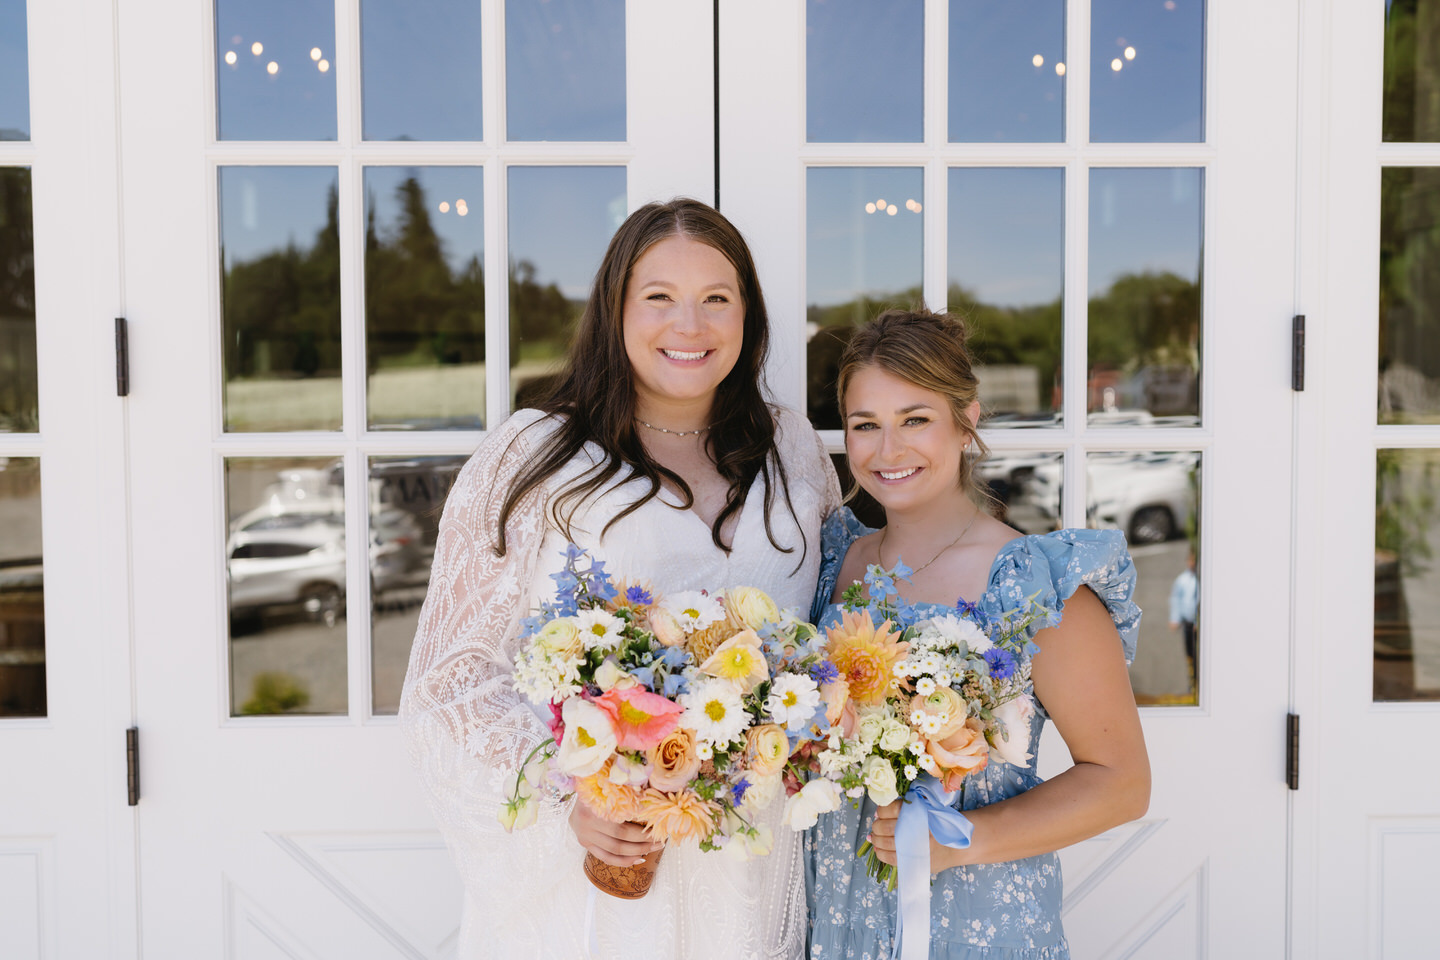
926	812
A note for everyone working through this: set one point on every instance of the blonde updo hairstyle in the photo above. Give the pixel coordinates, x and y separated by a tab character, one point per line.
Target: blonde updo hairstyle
928	350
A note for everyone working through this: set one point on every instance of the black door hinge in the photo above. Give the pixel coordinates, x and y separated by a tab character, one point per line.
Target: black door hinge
132	765
1297	352
122	358
1292	751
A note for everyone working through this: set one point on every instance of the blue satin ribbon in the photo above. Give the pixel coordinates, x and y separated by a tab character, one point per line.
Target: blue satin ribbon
926	812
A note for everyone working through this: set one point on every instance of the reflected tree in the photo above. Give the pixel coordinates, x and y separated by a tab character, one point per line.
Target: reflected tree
18	383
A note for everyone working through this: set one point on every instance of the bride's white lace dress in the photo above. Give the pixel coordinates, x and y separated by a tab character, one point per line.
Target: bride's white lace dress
525	893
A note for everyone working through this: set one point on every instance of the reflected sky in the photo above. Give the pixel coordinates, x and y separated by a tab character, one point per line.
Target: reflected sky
1005	63
264	209
452	197
420	69
864	69
565	70
850	251
1007	230
1147	70
562	218
275	61
14	72
1144	219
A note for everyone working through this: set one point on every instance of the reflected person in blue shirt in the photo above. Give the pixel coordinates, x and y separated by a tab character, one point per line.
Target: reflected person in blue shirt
1184	602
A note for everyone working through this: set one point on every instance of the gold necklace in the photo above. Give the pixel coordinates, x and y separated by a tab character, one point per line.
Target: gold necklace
886	529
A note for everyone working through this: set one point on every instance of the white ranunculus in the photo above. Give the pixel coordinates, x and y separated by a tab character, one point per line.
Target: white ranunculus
1015	715
879	779
895	736
870	726
608	674
589	738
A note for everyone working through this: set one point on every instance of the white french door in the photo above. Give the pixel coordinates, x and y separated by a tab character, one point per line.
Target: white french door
356	233
1106	191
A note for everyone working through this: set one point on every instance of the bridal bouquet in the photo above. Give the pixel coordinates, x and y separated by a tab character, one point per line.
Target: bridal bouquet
938	696
679	712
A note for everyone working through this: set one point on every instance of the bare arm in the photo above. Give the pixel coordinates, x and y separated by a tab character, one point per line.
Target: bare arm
1081	678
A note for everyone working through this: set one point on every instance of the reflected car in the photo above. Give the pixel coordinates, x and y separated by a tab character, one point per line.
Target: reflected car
301	569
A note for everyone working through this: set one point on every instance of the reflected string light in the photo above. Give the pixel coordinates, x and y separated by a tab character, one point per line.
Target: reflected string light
230	57
461	207
272	68
1129	53
324	66
913	205
1169	4
870	207
315	53
892	209
444	206
880	204
1116	64
257	48
1059	69
1038	60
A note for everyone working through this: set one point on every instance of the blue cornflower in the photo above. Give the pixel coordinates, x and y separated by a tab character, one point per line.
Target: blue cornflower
738	788
971	610
638	596
1001	662
824	672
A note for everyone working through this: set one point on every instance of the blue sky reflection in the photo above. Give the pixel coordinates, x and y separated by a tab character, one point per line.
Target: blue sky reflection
849	251
565	70
276	65
1006	71
420	66
14	72
1147	71
864	68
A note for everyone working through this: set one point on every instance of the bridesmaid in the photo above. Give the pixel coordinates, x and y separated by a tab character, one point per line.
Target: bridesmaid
907	394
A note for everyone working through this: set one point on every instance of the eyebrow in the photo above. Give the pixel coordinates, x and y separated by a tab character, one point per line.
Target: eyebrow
904	410
717	285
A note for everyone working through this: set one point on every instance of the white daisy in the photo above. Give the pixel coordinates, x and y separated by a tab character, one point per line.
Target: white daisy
961	632
598	628
925	686
793	700
693	609
714	710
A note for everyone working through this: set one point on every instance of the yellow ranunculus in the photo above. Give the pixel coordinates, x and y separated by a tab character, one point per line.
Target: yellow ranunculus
768	748
751	607
560	638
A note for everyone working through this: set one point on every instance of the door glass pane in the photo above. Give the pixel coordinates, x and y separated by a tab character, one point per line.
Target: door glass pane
420	69
1407	575
14	72
22	590
1154	499
561	220
1409	295
1027	488
1145	268
1412	72
565	70
1147	71
280	296
863	248
1006	277
19	386
864	71
1007	71
285	566
406	495
425	297
275	69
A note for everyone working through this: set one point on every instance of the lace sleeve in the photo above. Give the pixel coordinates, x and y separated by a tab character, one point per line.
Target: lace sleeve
465	724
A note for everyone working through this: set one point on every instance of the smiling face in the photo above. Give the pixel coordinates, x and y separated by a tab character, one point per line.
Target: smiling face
684	324
902	441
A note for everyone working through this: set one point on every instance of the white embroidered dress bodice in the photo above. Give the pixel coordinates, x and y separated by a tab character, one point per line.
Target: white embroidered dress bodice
467	728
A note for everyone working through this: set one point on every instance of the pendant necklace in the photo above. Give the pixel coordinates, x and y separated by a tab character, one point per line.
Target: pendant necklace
881	550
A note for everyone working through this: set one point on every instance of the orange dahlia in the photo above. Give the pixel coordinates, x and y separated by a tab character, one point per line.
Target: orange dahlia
680	815
616	802
703	643
865	655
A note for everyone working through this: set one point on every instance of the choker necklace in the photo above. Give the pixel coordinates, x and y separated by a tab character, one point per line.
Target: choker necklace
673	433
881	550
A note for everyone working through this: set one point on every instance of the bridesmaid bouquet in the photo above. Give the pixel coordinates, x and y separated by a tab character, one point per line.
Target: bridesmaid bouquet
938	696
679	712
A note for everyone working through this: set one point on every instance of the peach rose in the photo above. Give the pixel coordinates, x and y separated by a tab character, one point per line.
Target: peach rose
666	627
946	706
768	749
834	694
963	752
673	761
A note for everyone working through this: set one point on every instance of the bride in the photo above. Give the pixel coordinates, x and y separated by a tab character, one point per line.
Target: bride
657	453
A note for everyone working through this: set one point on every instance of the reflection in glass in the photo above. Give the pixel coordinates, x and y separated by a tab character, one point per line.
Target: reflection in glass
425	297
22	590
1006	277
1407	575
1154	499
420	69
19	386
285	564
1007	71
1147	71
14	72
863	244
275	69
280	297
565	70
406	495
864	71
1409	295
561	219
1026	488
1145	310
1412	73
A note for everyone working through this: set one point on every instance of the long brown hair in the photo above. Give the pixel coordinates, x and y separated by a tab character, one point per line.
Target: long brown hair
928	350
594	398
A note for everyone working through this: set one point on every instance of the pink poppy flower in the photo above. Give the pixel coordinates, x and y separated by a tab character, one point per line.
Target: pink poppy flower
641	719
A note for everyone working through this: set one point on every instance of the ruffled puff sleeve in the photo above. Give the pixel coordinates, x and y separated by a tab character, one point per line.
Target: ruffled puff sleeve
840	529
1050	568
465	725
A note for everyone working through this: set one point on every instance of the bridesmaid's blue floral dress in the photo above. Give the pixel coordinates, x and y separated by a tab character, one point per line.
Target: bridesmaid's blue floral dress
999	911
